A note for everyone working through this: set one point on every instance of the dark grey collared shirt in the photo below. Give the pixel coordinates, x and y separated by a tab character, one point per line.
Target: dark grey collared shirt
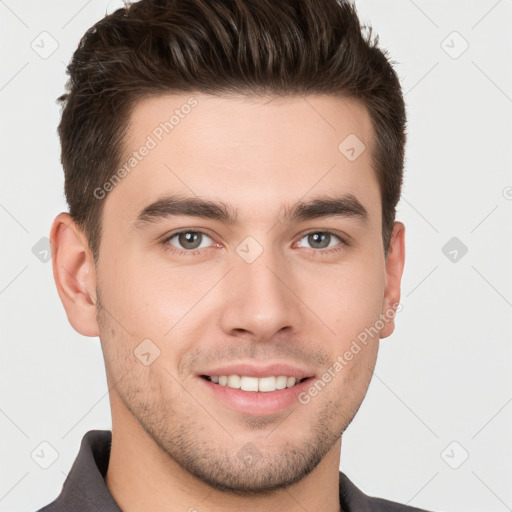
84	489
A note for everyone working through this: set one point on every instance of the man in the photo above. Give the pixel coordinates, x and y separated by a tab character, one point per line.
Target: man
232	170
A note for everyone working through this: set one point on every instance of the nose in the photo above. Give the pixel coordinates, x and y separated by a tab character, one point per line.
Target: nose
260	300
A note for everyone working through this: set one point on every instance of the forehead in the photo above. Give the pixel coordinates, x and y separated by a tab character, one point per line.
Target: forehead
254	153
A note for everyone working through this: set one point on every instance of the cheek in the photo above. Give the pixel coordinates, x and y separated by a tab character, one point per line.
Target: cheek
347	298
147	298
169	307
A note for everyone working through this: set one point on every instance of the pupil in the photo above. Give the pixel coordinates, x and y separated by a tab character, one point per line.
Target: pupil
318	240
189	240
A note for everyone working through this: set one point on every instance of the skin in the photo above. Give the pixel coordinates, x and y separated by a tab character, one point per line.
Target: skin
175	447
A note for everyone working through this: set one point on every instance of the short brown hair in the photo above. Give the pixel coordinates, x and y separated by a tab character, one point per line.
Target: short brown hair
262	47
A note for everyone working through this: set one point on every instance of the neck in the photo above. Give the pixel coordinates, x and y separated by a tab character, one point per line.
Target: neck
142	477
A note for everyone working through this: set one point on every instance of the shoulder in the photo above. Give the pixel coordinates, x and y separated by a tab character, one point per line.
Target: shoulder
352	499
381	505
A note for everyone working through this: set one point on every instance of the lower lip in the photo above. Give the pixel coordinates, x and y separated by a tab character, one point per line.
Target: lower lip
257	403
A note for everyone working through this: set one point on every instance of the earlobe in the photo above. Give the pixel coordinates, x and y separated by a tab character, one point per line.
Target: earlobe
394	264
75	274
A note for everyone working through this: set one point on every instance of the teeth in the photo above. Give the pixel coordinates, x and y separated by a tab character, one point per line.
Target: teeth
281	381
248	383
263	384
234	381
266	384
290	382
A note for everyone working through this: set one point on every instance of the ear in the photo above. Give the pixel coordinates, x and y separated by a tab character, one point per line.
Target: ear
75	274
394	267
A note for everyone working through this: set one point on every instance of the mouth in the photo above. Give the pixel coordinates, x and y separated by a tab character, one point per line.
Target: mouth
255	390
255	384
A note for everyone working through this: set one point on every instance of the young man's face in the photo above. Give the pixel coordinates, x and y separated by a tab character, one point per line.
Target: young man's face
269	293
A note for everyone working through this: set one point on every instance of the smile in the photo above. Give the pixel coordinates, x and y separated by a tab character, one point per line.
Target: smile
255	384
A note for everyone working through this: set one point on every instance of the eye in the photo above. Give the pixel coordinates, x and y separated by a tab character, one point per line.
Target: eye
188	240
322	240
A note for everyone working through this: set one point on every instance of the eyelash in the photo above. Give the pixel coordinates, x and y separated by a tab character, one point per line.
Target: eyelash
195	252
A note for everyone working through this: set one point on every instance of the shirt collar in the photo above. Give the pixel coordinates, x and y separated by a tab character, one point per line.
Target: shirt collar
85	488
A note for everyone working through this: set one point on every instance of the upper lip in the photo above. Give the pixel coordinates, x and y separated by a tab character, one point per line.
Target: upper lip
251	370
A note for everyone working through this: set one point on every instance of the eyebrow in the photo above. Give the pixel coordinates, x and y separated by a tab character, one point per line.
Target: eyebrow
170	206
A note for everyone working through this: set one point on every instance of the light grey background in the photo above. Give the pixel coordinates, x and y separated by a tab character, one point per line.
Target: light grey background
442	387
